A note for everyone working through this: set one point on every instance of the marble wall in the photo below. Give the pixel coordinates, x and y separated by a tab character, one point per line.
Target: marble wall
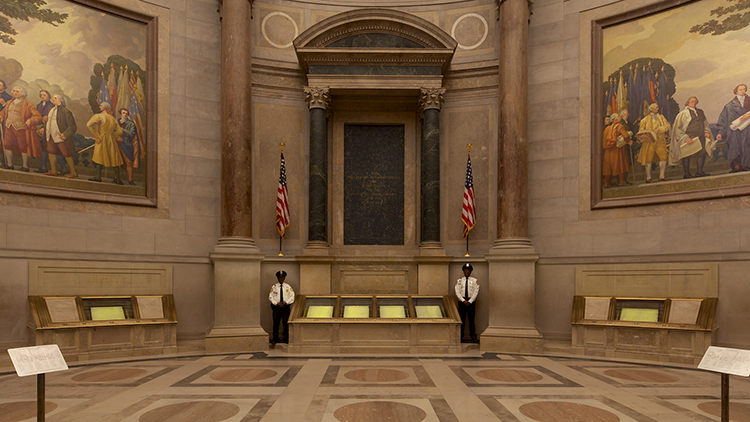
564	229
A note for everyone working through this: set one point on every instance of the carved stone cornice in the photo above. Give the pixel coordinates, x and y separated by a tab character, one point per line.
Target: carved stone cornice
431	98
318	97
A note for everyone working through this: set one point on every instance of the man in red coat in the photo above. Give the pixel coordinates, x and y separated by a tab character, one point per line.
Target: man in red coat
19	117
614	140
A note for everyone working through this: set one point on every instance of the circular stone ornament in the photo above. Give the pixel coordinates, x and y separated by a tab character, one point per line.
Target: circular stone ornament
279	29
468	31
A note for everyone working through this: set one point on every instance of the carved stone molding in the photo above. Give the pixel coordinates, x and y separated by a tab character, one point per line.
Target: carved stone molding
318	97
431	98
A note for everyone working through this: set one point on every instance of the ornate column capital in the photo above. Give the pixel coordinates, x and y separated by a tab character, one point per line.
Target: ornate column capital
318	97
431	98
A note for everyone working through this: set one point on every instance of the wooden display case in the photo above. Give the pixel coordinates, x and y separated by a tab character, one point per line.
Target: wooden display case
91	327
374	324
662	329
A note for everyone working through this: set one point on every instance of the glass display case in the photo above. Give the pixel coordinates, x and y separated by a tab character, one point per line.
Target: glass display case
107	308
639	310
319	307
356	307
392	307
429	307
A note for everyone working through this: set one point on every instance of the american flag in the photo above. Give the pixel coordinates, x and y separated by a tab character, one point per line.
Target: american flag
282	202
468	213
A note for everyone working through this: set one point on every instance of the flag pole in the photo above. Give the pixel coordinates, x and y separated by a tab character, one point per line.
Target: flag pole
468	147
281	236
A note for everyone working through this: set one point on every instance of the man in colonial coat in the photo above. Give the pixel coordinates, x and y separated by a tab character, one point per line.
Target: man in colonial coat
738	140
652	133
107	133
19	118
615	138
691	137
59	131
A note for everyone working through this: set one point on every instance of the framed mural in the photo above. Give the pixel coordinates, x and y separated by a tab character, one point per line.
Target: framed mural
77	101
670	113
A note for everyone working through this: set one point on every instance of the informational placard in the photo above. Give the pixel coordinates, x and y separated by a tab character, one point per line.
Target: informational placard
37	360
726	361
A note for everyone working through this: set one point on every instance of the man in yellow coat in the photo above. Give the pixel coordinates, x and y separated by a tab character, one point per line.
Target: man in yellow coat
652	133
107	133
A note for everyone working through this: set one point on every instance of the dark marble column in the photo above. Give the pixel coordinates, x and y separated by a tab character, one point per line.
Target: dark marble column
318	100
512	182
430	102
236	127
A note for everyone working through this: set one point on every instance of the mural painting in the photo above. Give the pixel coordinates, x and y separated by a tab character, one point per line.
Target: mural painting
72	98
674	100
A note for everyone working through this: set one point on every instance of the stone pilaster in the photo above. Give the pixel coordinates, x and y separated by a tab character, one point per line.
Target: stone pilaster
236	259
513	259
315	264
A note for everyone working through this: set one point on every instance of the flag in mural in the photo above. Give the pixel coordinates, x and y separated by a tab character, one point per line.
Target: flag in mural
282	201
468	213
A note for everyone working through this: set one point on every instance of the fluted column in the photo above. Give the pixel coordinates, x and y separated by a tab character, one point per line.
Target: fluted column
318	100
512	260
237	299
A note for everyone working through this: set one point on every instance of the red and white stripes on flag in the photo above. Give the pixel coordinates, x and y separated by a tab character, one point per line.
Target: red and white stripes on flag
282	201
468	213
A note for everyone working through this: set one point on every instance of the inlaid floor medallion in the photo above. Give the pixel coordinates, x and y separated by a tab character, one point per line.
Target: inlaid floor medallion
560	411
379	411
243	375
22	410
197	411
508	375
376	375
738	412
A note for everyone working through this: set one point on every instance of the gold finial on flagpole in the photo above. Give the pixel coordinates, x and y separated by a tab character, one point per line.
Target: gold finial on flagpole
282	145
469	147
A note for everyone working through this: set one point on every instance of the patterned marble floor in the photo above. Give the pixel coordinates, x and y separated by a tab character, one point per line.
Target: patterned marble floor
278	387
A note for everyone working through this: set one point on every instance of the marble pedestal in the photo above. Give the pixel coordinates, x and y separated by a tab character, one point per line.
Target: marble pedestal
433	270
236	298
511	291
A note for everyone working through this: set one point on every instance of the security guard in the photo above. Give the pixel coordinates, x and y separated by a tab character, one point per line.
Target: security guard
467	289
281	297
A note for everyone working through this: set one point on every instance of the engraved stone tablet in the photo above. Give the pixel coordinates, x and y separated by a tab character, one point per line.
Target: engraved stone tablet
62	309
726	361
150	307
373	184
597	308
684	311
37	360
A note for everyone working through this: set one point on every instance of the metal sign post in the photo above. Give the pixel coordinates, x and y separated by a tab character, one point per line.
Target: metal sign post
38	360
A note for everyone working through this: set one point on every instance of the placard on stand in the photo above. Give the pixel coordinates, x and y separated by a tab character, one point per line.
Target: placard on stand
38	360
727	362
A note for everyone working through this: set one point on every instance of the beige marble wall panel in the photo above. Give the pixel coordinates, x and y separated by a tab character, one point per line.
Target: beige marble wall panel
315	279
475	31
14	305
554	300
194	299
98	278
461	125
432	279
274	124
374	281
274	29
649	280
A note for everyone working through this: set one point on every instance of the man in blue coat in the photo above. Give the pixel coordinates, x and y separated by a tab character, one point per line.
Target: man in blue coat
738	140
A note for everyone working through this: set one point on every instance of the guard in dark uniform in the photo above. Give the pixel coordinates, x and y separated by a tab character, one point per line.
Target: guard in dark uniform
281	297
467	290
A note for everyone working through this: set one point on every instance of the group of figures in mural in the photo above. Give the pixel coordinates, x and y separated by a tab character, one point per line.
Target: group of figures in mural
648	136
86	123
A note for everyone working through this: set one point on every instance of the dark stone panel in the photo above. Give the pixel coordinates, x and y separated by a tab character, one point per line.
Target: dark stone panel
374	40
373	70
430	176
373	185
318	189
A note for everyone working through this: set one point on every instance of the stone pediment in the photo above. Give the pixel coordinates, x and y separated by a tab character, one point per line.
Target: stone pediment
372	44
